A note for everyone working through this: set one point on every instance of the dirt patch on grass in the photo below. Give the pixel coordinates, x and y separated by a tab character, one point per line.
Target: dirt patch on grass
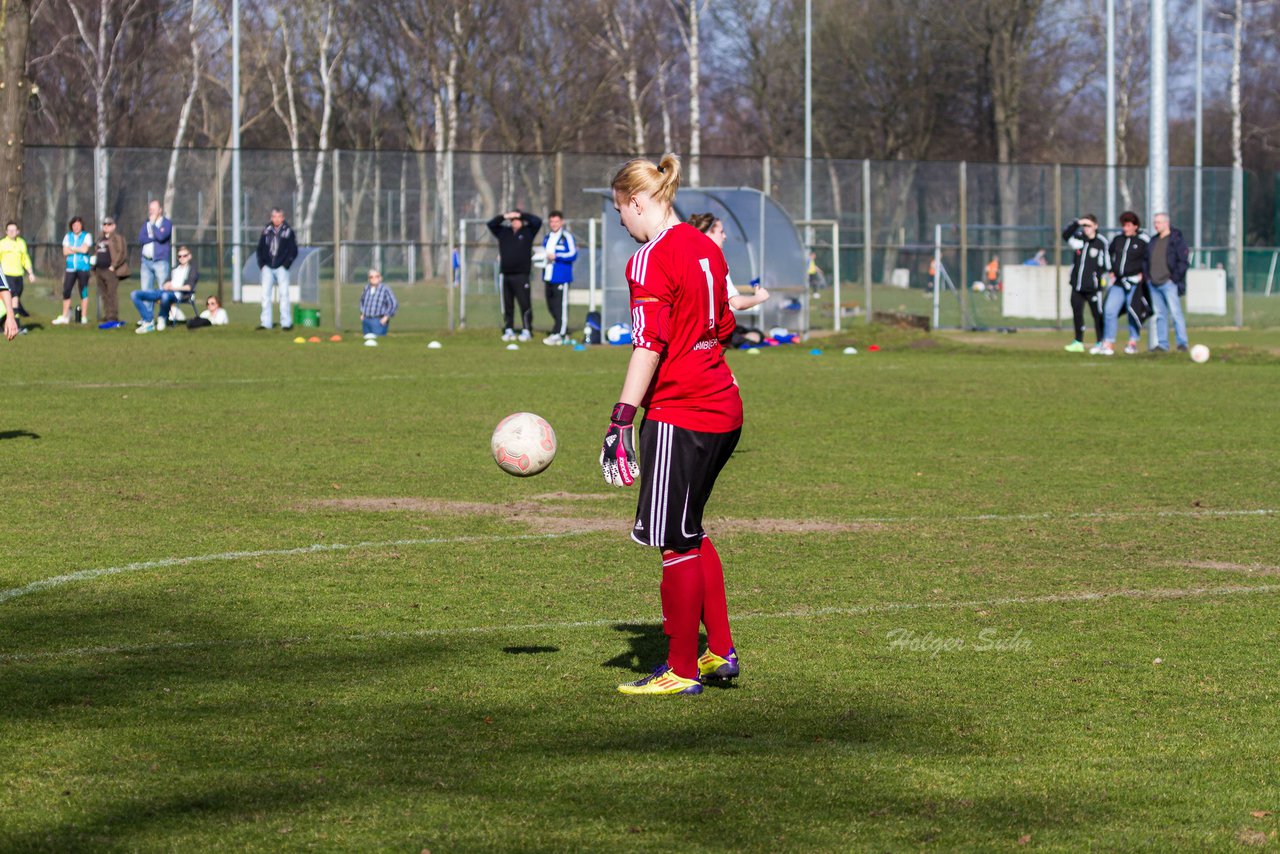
548	518
1226	566
573	496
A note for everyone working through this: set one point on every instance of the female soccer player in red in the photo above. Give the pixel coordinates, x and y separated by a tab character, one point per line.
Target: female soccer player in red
693	417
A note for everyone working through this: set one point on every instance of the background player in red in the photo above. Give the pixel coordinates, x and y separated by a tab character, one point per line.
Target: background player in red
693	417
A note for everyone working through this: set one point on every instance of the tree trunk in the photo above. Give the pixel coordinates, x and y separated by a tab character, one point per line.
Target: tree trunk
184	115
15	21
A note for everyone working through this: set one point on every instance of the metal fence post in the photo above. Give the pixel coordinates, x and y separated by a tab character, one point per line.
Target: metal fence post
337	245
1057	252
835	272
964	244
1237	189
866	235
217	213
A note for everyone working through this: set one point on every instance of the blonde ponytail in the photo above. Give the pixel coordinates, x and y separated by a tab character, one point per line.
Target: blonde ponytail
642	176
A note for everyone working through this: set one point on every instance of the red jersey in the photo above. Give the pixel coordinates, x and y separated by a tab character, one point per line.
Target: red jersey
680	310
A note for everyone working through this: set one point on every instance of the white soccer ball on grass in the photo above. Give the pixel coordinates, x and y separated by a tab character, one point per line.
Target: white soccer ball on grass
1199	354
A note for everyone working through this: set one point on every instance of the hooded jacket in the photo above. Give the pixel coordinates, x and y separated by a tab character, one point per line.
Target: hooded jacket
1090	260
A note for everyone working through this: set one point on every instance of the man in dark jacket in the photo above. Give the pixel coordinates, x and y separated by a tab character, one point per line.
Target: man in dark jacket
277	249
1128	256
515	231
1089	263
1167	260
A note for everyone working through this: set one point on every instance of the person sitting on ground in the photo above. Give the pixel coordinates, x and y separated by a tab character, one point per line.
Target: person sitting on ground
377	306
714	228
181	284
213	315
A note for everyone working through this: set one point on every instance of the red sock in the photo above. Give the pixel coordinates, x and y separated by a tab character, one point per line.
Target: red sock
681	608
715	605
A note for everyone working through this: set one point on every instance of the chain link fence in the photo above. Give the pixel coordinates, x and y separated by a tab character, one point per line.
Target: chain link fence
416	215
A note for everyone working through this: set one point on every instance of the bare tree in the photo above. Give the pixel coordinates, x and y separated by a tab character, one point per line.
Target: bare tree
195	71
102	28
316	46
689	15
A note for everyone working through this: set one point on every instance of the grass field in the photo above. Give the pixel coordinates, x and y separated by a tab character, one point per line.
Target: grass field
261	596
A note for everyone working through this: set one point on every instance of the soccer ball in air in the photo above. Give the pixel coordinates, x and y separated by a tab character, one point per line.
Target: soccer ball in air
523	444
1200	354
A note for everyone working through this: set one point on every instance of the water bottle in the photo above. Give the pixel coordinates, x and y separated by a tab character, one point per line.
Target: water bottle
77	314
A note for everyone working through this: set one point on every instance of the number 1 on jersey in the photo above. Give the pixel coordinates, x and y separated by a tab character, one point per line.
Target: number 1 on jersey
711	292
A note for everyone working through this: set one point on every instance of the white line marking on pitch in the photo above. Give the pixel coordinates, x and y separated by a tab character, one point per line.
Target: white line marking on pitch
315	548
87	574
1083	596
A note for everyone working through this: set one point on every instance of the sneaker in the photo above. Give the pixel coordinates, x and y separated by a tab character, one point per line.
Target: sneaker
1158	349
1075	347
159	324
663	680
111	324
712	666
369	336
1131	348
60	320
508	335
262	329
84	320
1096	349
1182	348
553	340
145	328
524	335
1107	350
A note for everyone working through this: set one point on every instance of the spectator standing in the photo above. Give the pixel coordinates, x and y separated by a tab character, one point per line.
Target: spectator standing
377	306
561	251
177	288
1167	261
155	238
277	249
1128	257
110	265
515	231
77	249
1090	262
817	280
993	274
15	266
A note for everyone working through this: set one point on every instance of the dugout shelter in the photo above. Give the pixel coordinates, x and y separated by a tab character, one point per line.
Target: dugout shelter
761	241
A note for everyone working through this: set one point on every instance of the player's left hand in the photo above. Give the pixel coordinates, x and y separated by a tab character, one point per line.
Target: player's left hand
618	452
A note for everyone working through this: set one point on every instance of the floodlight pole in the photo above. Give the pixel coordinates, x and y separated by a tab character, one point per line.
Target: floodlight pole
1158	157
1198	236
1111	113
808	116
236	212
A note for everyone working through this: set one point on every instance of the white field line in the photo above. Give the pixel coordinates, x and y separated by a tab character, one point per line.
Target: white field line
87	574
1081	596
186	383
315	548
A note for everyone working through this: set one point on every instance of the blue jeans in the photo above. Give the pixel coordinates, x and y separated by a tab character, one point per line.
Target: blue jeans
277	277
155	272
374	325
143	301
1118	300
1165	300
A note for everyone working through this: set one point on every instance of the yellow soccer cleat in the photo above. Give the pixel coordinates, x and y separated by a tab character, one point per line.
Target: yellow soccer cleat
712	666
664	680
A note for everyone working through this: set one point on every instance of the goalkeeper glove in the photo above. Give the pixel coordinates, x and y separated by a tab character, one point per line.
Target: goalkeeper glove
618	453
